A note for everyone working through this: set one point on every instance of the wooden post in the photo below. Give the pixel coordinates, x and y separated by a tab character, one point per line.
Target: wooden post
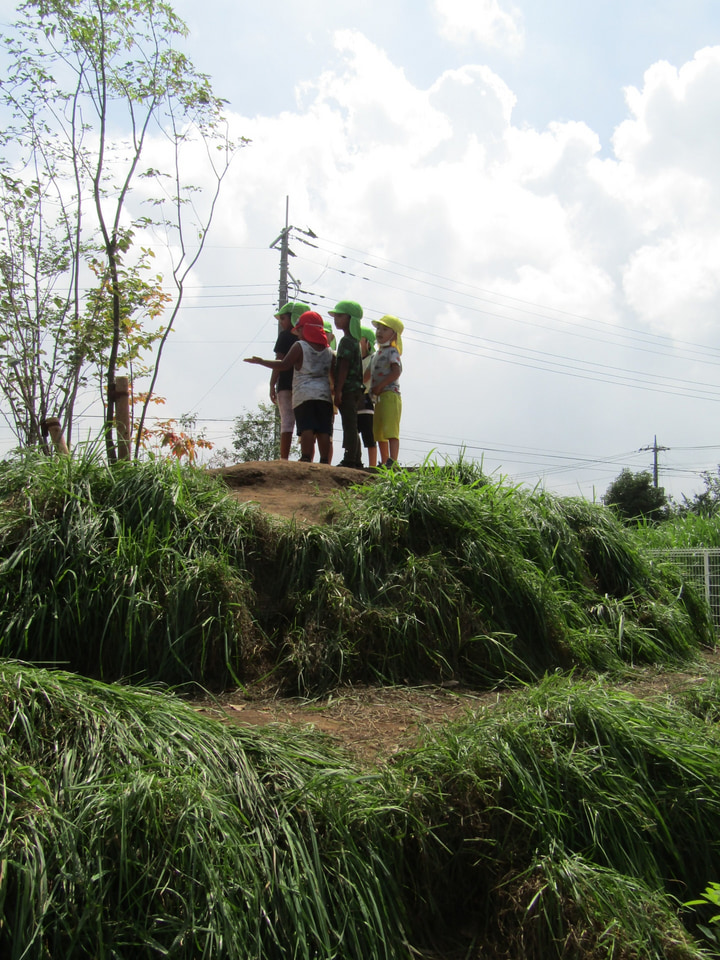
52	426
122	417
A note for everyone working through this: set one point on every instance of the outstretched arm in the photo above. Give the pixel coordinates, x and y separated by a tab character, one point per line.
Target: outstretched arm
289	361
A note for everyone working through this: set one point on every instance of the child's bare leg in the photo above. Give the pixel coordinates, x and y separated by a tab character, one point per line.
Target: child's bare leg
323	442
285	444
307	444
394	448
383	444
372	456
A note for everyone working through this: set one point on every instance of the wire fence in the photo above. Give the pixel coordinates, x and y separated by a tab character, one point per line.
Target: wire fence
702	566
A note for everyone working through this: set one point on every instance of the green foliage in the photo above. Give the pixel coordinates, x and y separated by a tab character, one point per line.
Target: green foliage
634	497
132	827
564	822
684	531
438	573
576	814
707	502
152	570
124	571
710	897
254	437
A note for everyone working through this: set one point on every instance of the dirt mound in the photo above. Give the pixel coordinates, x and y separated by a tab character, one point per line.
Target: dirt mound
305	492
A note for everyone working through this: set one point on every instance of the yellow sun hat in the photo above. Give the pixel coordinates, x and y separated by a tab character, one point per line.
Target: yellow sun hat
395	324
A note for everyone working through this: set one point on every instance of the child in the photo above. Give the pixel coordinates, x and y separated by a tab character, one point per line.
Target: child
365	413
349	379
312	362
384	386
281	380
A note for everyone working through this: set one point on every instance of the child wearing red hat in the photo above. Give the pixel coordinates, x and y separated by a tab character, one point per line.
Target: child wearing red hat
313	363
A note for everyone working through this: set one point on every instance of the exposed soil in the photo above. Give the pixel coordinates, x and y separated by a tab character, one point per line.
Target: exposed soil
372	722
305	492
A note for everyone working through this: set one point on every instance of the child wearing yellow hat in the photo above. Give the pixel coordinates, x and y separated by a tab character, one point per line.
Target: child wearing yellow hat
385	387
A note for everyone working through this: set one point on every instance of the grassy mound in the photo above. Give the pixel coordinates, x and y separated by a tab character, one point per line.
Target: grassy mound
124	571
567	822
151	571
133	828
579	817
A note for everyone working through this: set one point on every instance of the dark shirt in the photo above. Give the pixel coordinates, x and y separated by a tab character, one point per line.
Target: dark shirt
282	346
349	349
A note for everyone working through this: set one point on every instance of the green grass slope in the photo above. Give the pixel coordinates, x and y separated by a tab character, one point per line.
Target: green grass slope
152	572
571	821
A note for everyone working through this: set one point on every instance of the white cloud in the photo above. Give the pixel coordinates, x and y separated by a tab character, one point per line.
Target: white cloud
488	22
518	258
667	176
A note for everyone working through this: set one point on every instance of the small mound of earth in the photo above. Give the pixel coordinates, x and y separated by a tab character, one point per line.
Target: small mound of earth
305	492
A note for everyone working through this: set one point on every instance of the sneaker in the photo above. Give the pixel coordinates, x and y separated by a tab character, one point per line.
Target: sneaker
350	465
390	462
304	460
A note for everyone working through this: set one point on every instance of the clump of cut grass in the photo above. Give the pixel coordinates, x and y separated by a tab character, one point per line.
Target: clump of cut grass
132	570
438	575
565	799
131	826
568	821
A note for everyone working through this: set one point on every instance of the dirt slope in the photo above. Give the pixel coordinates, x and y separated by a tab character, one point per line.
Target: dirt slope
303	491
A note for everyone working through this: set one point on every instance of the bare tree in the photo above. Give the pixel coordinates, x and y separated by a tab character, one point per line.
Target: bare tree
93	85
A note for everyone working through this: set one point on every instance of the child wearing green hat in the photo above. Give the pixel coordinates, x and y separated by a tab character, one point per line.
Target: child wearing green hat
384	386
347	315
365	413
281	380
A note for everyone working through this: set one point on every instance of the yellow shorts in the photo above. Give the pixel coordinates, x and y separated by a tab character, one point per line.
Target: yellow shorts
386	421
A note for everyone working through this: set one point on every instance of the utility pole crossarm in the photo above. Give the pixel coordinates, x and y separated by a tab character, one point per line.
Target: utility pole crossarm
655	449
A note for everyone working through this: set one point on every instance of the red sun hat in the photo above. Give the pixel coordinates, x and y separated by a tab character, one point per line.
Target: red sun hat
310	327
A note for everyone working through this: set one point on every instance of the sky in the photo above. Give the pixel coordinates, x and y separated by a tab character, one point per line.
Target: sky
533	187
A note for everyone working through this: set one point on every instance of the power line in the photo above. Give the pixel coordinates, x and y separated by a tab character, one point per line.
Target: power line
551	313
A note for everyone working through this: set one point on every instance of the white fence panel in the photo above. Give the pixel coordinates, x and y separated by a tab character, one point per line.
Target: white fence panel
702	566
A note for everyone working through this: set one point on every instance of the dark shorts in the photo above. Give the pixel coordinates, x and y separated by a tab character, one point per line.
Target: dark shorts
315	415
365	426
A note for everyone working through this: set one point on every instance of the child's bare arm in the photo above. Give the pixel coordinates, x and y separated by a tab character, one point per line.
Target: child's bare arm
288	361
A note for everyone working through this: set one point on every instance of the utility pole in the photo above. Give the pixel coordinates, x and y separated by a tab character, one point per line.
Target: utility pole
285	276
283	240
655	449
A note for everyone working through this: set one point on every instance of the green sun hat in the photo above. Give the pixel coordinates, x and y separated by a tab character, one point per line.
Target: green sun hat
353	310
297	310
294	308
369	335
330	331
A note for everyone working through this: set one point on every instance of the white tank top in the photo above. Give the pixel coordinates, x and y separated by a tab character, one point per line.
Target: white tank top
312	380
